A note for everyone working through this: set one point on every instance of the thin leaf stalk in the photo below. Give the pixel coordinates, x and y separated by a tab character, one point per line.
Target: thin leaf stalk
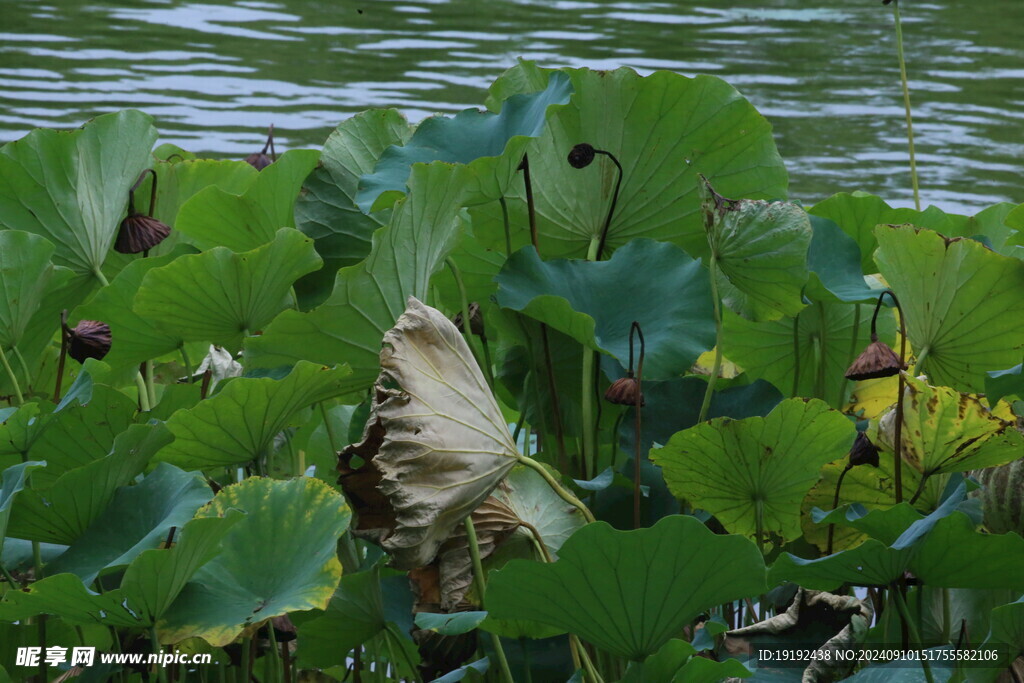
853	354
911	626
140	386
467	327
480	580
587	394
507	225
717	365
63	355
557	488
906	102
150	385
188	364
637	409
24	367
835	504
796	357
11	376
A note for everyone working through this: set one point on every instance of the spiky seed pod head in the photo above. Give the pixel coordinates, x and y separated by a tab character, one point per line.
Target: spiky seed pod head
863	451
877	360
582	155
88	339
624	392
140	233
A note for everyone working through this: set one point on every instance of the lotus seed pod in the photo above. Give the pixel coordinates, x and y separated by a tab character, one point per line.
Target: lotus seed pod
877	360
582	155
863	451
259	161
140	233
624	391
89	339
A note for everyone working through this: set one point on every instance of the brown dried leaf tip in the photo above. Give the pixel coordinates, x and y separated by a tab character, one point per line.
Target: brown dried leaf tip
623	392
582	155
140	233
863	451
88	339
877	360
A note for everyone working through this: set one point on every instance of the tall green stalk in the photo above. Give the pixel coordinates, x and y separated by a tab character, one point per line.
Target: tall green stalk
906	102
10	375
717	366
479	579
587	393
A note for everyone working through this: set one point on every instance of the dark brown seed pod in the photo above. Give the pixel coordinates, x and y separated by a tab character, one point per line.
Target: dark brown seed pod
877	360
582	155
476	321
140	233
623	392
260	160
88	339
863	451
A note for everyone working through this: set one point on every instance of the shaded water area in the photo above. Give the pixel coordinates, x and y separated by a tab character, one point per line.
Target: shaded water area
215	74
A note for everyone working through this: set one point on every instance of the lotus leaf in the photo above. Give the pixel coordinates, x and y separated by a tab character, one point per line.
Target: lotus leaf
1001	383
222	430
596	302
685	568
290	532
834	260
26	277
214	217
963	306
743	470
432	406
71	187
665	129
220	296
354	615
12	481
492	145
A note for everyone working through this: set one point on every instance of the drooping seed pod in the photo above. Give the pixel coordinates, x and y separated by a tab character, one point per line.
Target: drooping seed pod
623	392
139	233
260	160
88	339
863	451
877	360
582	155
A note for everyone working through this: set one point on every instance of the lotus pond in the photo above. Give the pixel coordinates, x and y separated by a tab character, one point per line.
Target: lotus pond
563	389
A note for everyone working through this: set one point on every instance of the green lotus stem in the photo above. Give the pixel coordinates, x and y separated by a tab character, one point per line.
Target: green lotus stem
587	391
161	671
835	504
906	101
531	208
946	617
150	384
7	575
588	665
819	383
140	386
391	655
508	227
524	646
796	356
908	622
920	487
538	542
479	578
467	327
919	363
246	650
556	487
852	356
187	362
100	276
717	366
24	367
10	375
328	428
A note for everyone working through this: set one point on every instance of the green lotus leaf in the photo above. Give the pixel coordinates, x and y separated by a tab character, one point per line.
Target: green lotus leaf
858	214
826	337
138	518
595	302
80	431
19	428
1002	383
665	129
492	145
474	670
326	210
222	430
834	261
946	431
151	582
740	470
26	276
450	624
1007	630
221	296
290	533
760	249
179	180
434	420
662	665
13	481
354	615
62	511
213	217
368	298
71	187
629	592
962	301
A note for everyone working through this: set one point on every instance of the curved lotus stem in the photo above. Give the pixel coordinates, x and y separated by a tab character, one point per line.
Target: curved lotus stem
638	403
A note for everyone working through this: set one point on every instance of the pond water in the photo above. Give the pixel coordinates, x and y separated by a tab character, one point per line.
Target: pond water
215	74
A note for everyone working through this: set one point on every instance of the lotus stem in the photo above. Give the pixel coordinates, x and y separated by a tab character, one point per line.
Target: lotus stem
853	354
508	227
906	102
717	366
467	327
835	504
11	376
63	355
819	383
637	408
150	386
140	386
7	575
920	487
587	398
531	209
556	408
479	578
911	627
557	488
188	364
898	446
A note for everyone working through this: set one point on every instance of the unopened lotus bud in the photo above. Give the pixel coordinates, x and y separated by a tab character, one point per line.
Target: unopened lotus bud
582	155
140	233
476	321
863	451
877	360
89	339
624	392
